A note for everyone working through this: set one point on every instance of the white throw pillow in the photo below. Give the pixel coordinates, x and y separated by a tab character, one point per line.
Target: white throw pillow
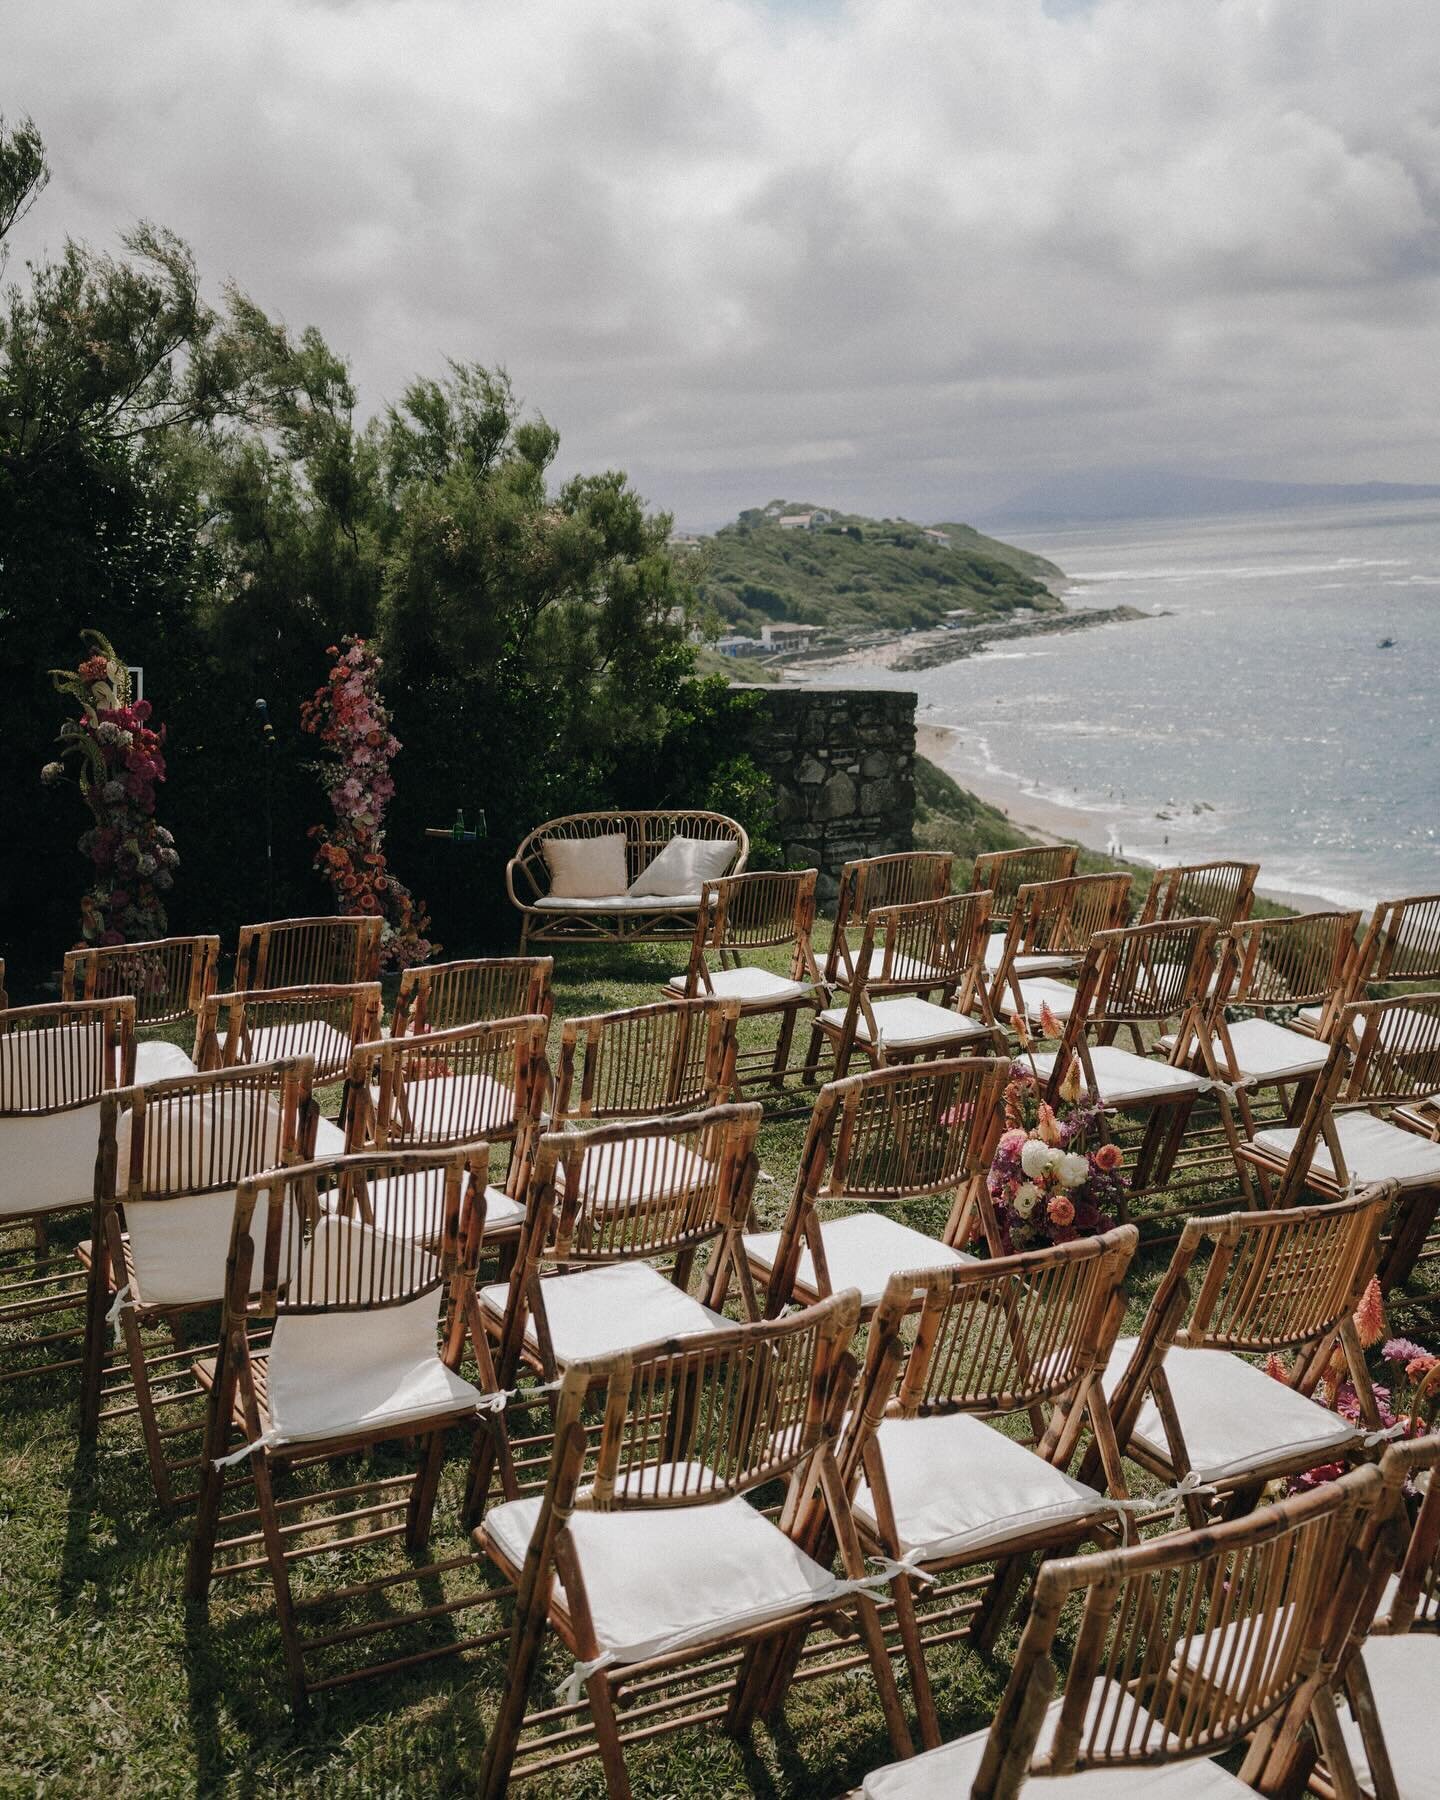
684	864
586	868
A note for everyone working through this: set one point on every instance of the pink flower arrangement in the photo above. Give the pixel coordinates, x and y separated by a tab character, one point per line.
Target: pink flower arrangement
1045	1185
119	762
1398	1414
351	720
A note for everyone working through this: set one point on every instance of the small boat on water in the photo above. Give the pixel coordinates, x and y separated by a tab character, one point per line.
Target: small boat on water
1386	644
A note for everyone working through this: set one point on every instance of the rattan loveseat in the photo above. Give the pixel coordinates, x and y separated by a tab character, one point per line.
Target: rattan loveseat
548	918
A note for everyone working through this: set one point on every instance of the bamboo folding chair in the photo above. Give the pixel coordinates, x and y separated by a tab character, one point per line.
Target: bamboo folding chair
1186	1403
1050	928
933	1488
57	1062
437	996
739	914
484	1081
1223	891
1005	872
895	880
327	952
1401	943
327	1024
646	1556
604	1207
877	1140
1141	976
645	1062
1279	965
1185	1647
1389	1670
1382	1054
164	1197
170	979
906	954
368	1327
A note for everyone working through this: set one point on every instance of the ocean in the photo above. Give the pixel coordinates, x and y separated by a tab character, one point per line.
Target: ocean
1259	713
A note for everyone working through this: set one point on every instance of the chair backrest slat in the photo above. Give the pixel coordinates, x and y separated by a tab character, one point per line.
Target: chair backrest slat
169	978
437	996
321	952
1224	891
1005	872
646	1061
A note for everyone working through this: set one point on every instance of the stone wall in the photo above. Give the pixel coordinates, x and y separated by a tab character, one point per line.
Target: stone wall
843	764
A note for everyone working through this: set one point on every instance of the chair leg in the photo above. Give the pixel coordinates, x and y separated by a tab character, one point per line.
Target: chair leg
999	1597
869	1622
421	1509
1414	1214
525	1642
607	1736
812	1055
903	1592
145	1409
261	1474
781	1064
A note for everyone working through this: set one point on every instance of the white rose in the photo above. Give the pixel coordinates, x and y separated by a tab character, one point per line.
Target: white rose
1053	1160
1035	1157
1073	1169
1027	1198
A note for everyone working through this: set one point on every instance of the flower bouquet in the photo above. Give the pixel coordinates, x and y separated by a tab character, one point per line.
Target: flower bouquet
1402	1404
118	759
1046	1184
351	720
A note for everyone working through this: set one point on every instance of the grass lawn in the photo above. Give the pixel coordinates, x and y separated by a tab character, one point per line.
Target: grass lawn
108	1686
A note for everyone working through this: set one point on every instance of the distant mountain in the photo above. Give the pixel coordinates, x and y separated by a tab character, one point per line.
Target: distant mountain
1158	494
847	572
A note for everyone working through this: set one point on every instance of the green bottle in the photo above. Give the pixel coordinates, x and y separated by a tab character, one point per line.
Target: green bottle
457	831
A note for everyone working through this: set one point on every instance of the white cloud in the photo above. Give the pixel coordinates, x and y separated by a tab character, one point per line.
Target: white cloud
909	253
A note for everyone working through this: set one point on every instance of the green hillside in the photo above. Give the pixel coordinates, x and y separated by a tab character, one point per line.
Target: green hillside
855	574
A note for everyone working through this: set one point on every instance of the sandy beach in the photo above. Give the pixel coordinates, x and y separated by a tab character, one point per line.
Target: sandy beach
1039	816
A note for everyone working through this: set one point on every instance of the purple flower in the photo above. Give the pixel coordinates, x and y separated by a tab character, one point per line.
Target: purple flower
1401	1350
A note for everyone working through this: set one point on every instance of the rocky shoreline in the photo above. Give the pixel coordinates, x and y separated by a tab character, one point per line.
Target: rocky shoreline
952	646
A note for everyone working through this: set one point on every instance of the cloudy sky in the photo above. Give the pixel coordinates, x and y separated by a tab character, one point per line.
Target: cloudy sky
898	255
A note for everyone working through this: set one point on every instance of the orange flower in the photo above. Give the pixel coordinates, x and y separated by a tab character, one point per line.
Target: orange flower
1048	1125
1107	1157
1021	1030
1370	1324
1060	1211
1050	1026
1070	1086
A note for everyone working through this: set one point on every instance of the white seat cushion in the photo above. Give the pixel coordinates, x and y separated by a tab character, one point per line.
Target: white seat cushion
1236	1420
862	1251
616	903
959	1487
387	1195
157	1060
616	1175
1027	962
747	985
617	1307
1265	1051
299	1037
1405	1676
47	1161
1059	996
1374	1149
1312	1015
333	1373
947	1774
1124	1078
329	1138
453	1107
909	1021
661	1578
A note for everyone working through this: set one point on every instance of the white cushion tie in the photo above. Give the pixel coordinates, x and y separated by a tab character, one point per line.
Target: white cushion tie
908	1564
1384	1435
270	1435
117	1306
569	1691
1145	1506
